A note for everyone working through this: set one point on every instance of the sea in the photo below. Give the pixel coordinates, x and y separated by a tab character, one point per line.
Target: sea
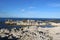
3	25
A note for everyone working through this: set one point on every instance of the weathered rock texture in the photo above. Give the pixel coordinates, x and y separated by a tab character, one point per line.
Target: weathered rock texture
32	33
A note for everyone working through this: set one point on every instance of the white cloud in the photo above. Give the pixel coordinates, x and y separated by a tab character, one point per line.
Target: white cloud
31	7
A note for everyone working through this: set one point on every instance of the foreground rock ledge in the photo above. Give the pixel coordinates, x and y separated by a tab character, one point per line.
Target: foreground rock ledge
32	33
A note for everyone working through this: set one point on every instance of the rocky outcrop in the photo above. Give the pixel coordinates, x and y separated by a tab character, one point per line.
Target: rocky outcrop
30	33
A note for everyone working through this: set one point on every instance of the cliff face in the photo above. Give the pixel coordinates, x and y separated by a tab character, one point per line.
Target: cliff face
32	33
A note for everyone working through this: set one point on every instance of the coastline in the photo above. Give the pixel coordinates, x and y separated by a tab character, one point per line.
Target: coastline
35	31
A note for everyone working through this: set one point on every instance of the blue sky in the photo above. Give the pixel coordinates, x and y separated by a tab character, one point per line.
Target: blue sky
30	8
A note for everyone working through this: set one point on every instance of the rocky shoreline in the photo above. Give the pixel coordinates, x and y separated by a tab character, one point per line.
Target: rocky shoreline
29	33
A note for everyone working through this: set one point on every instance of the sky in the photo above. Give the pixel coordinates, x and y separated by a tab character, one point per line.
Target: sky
30	8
